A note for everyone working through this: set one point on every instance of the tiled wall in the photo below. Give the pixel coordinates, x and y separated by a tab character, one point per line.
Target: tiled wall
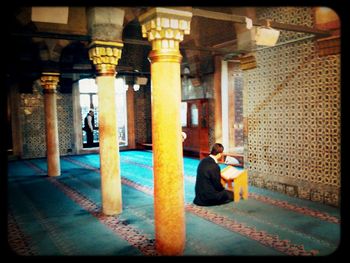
292	102
143	115
32	121
239	112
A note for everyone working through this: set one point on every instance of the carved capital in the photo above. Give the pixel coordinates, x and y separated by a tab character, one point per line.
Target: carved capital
49	80
105	56
165	27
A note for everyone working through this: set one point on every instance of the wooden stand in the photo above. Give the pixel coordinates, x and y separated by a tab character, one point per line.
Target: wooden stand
240	183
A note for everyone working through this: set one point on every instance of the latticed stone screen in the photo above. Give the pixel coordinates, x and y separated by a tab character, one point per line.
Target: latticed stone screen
292	103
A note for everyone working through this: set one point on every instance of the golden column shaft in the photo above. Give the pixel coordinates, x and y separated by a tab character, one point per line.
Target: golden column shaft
109	147
105	56
165	29
49	82
167	157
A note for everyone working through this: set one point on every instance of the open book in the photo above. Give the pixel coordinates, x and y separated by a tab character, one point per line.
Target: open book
231	160
230	172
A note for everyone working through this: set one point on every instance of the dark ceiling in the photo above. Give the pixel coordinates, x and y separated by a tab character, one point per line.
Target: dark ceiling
32	46
29	42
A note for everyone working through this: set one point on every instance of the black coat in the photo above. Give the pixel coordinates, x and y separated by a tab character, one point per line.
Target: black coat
86	125
208	188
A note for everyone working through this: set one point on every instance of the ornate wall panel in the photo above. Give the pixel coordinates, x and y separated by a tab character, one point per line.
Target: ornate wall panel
292	102
143	128
33	124
32	120
65	122
238	97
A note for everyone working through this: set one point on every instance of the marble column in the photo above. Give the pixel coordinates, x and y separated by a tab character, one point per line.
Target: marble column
165	28
105	56
49	83
105	25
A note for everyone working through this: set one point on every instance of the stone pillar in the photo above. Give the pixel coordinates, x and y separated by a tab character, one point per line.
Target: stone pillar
105	25
165	29
49	82
105	56
78	136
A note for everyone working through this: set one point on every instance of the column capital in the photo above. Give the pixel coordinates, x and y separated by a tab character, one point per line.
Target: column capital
105	56
49	80
165	27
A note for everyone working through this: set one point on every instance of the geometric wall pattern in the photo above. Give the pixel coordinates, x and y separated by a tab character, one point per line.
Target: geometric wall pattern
32	121
143	115
292	103
238	108
33	125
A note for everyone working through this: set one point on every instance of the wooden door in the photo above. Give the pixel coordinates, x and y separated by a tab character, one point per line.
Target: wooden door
196	126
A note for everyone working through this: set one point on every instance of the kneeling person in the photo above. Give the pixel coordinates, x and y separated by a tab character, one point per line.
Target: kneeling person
209	190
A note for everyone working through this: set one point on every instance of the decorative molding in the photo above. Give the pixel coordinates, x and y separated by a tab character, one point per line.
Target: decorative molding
165	27
248	62
328	46
105	56
49	80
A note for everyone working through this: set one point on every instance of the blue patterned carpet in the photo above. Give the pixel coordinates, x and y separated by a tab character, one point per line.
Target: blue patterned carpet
62	215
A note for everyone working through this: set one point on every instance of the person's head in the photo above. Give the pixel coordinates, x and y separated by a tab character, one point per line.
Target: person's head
91	112
217	149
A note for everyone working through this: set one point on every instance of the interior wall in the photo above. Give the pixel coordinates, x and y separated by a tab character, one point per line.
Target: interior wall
32	123
292	104
203	91
235	107
16	129
143	115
